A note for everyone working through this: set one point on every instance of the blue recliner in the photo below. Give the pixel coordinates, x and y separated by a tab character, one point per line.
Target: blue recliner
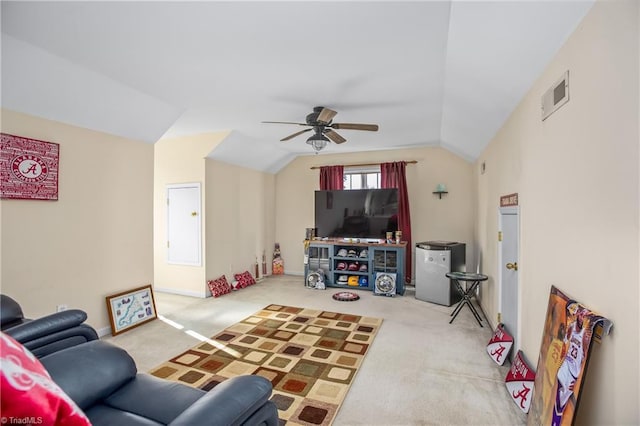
48	334
102	379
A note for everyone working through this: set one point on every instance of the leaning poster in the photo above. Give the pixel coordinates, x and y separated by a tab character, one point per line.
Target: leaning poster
569	332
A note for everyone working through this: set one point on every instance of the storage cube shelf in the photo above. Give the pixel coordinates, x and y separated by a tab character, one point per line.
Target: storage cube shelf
338	258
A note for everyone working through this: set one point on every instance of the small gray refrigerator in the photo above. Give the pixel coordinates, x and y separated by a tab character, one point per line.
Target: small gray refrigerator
434	259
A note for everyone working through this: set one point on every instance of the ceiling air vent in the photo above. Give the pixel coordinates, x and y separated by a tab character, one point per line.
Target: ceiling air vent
556	96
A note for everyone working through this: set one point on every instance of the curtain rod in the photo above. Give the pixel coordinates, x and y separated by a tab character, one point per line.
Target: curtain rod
362	164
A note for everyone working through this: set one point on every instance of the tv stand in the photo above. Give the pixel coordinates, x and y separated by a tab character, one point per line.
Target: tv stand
332	255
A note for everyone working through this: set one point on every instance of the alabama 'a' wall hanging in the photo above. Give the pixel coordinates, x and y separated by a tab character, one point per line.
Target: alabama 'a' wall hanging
28	168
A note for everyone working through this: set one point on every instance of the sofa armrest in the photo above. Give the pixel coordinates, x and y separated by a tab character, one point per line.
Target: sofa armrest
64	339
235	401
46	325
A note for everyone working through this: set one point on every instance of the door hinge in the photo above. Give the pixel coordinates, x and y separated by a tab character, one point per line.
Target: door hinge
499	235
167	201
167	244
499	317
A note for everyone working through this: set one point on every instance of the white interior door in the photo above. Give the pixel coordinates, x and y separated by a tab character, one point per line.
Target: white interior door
184	224
509	272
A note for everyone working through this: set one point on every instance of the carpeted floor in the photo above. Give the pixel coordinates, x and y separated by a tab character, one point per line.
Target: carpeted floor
311	357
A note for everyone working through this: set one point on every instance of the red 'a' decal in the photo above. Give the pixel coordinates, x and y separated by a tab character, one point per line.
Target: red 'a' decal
522	395
498	352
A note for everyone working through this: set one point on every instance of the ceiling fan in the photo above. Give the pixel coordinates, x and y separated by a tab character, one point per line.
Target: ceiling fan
320	121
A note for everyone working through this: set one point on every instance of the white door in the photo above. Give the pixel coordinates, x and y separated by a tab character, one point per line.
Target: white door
184	224
509	272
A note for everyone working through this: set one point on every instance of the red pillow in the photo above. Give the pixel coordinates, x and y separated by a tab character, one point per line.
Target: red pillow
241	282
249	278
27	393
244	279
219	286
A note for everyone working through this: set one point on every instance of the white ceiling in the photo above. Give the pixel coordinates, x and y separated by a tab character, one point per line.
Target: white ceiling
429	73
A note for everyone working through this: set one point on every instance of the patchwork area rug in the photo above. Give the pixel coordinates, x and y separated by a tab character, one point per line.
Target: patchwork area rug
310	356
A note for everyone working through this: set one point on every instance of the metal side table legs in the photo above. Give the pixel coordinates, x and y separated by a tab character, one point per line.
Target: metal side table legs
472	281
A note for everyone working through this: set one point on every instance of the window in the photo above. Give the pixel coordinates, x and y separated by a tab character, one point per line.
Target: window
360	178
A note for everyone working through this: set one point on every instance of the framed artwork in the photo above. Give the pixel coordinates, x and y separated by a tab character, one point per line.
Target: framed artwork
131	308
570	329
28	168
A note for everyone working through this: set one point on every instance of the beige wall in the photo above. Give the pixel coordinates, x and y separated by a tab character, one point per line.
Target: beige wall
449	218
179	160
92	242
577	176
240	219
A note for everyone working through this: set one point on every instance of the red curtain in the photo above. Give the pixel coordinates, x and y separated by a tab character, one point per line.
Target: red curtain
331	177
393	175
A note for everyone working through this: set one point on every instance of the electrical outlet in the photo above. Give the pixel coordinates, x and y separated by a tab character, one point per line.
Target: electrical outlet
60	308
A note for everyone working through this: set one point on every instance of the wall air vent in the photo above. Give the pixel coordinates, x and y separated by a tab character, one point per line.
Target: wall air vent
556	96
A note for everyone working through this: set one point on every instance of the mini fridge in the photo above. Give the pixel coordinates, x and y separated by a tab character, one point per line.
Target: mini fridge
434	259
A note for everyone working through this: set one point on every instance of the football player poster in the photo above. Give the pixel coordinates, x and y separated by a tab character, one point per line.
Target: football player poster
562	363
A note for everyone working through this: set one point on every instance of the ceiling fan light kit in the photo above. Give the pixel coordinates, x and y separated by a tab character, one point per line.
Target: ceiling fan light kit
318	142
320	120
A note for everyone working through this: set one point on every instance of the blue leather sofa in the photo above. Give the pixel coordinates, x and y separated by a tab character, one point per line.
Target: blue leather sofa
102	379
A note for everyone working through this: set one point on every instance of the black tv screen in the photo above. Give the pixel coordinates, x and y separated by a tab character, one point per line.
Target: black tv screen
356	213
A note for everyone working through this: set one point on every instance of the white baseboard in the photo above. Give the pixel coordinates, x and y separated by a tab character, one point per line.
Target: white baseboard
104	331
180	292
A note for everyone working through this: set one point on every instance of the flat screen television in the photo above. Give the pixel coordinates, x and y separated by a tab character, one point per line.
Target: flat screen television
356	213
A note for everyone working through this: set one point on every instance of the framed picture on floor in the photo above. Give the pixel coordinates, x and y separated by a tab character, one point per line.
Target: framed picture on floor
131	308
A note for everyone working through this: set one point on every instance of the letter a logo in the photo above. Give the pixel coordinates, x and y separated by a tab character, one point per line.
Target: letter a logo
497	354
522	395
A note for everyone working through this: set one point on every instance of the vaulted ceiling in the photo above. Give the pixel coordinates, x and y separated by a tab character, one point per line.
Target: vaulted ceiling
429	73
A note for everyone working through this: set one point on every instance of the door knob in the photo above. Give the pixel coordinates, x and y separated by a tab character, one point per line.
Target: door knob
513	266
194	214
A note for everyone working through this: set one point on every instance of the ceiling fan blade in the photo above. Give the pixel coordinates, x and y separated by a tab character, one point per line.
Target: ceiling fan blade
295	134
355	126
334	136
326	115
284	122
